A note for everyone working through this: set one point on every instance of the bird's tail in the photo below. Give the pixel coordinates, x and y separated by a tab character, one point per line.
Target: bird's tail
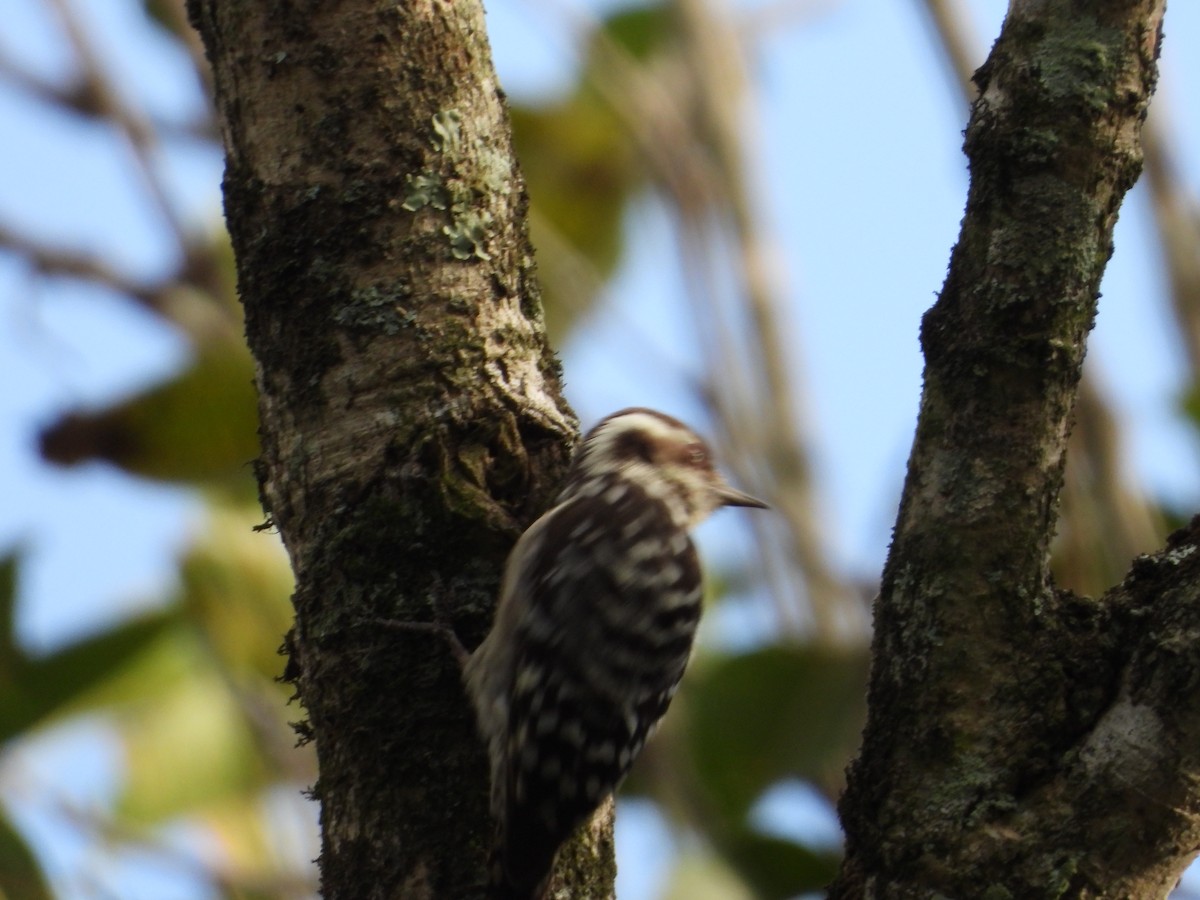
520	876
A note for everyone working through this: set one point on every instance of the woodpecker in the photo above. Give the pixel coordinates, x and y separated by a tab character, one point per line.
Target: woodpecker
597	614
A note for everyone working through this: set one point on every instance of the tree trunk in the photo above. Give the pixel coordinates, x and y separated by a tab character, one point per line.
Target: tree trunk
412	420
1021	741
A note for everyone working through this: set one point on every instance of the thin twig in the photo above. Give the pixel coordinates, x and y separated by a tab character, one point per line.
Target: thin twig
1105	522
1177	216
697	181
78	98
141	137
181	26
718	72
108	831
56	261
958	41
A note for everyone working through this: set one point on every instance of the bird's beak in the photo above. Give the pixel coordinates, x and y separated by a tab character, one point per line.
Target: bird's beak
730	497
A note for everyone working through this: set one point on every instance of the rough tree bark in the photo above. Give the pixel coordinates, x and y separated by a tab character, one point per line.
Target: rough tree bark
1024	742
412	421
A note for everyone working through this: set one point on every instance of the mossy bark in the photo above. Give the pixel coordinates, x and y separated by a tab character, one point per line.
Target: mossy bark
1023	742
411	416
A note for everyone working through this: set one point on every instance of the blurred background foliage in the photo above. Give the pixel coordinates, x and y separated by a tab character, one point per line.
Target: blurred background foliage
209	779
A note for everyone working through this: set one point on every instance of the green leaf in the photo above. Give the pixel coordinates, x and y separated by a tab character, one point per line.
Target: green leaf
778	712
641	31
37	688
201	426
8	596
777	868
20	875
581	170
189	749
236	587
583	167
705	877
1190	403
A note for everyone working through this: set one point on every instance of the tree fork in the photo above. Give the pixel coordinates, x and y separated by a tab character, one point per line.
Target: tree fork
1007	744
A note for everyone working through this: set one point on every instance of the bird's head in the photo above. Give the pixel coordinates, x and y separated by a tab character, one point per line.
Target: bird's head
659	454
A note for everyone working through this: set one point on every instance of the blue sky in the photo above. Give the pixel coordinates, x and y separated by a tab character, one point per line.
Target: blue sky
861	176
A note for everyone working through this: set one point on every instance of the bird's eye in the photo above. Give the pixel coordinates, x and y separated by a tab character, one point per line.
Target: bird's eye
697	455
632	446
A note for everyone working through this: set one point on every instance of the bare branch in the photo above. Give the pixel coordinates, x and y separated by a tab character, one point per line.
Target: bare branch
700	165
176	12
56	261
769	427
78	97
988	683
1177	215
141	136
952	27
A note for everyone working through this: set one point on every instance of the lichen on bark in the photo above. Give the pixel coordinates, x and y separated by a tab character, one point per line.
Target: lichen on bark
991	688
411	415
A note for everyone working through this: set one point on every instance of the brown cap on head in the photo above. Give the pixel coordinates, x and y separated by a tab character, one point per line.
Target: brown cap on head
645	444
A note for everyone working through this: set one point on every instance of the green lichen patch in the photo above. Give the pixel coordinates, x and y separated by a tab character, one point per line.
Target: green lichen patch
447	131
375	309
1078	61
468	234
425	189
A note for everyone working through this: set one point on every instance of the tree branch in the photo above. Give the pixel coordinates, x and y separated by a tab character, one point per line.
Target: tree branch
985	678
411	416
58	261
1130	790
98	87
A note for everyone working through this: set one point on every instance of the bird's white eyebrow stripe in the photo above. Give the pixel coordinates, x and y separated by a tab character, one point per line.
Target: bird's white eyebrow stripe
654	428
